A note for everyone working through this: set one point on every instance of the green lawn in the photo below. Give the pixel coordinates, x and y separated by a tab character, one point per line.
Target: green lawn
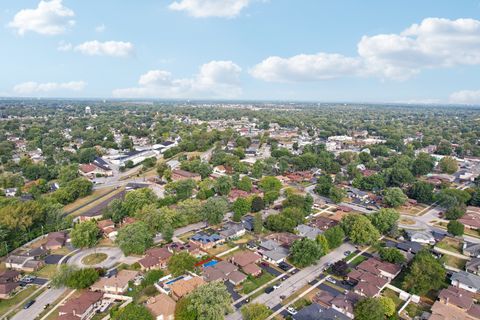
94	258
48	271
355	262
5	305
450	245
454	261
253	283
394	296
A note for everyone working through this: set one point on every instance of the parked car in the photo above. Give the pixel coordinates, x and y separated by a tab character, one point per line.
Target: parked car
331	280
347	253
291	310
276	287
28	304
269	290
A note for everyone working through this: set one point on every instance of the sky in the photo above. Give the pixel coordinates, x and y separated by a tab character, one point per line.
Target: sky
397	51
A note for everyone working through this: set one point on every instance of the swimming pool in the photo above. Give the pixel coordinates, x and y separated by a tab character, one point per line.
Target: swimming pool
210	263
174	280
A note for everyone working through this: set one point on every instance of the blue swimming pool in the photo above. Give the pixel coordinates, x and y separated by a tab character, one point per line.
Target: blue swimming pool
174	280
210	263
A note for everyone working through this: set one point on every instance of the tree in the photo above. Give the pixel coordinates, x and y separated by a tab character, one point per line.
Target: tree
324	184
68	173
394	197
245	184
336	194
359	229
280	223
305	252
423	164
137	199
133	311
388	305
270	183
223	185
424	274
449	198
369	309
182	189
126	143
215	209
340	268
455	228
455	213
257	223
134	238
85	234
323	243
74	278
240	207
257	204
180	263
270	197
392	255
210	301
384	220
161	167
255	311
422	192
448	165
334	236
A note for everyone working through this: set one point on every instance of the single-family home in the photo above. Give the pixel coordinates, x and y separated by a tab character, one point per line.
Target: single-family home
178	175
232	230
8	283
317	312
322	223
455	303
184	286
56	240
117	284
307	231
421	237
155	258
107	228
83	306
23	263
385	269
207	241
162	307
471	249
465	280
272	251
368	284
473	266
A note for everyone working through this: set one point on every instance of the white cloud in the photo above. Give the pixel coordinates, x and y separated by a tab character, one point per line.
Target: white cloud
49	18
434	43
100	28
466	97
32	87
215	79
304	67
64	46
108	48
210	8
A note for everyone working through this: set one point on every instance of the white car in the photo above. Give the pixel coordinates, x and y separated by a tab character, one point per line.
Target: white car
291	310
275	287
331	280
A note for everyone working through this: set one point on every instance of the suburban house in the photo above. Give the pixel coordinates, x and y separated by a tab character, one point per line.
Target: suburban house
107	228
342	303
184	286
317	312
82	307
91	170
385	269
155	258
471	219
421	237
247	261
248	223
455	303
306	231
471	249
368	284
323	223
466	281
162	307
178	175
207	241
56	240
272	251
117	284
224	271
473	266
23	263
232	230
191	247
8	283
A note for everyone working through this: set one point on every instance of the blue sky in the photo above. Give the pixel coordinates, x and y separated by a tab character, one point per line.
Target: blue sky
342	50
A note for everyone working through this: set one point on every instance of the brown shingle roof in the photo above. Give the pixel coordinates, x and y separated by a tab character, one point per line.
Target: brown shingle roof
161	305
245	258
82	303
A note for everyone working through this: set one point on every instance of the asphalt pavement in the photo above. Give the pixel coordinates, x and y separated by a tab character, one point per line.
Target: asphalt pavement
47	297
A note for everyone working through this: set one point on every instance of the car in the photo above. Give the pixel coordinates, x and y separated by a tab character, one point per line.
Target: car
46	306
294	271
291	310
331	280
282	297
265	264
269	290
347	253
28	304
284	278
276	287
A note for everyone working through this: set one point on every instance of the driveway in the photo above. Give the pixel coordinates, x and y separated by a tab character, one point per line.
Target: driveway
231	289
53	259
115	256
297	281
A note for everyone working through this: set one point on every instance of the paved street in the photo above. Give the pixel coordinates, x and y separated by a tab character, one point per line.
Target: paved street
180	231
49	296
115	256
297	281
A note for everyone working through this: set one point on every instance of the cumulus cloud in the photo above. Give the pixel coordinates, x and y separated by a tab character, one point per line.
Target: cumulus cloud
434	43
210	8
304	67
107	48
466	97
49	18
33	87
215	79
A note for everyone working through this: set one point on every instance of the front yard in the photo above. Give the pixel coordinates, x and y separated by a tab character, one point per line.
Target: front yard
253	283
